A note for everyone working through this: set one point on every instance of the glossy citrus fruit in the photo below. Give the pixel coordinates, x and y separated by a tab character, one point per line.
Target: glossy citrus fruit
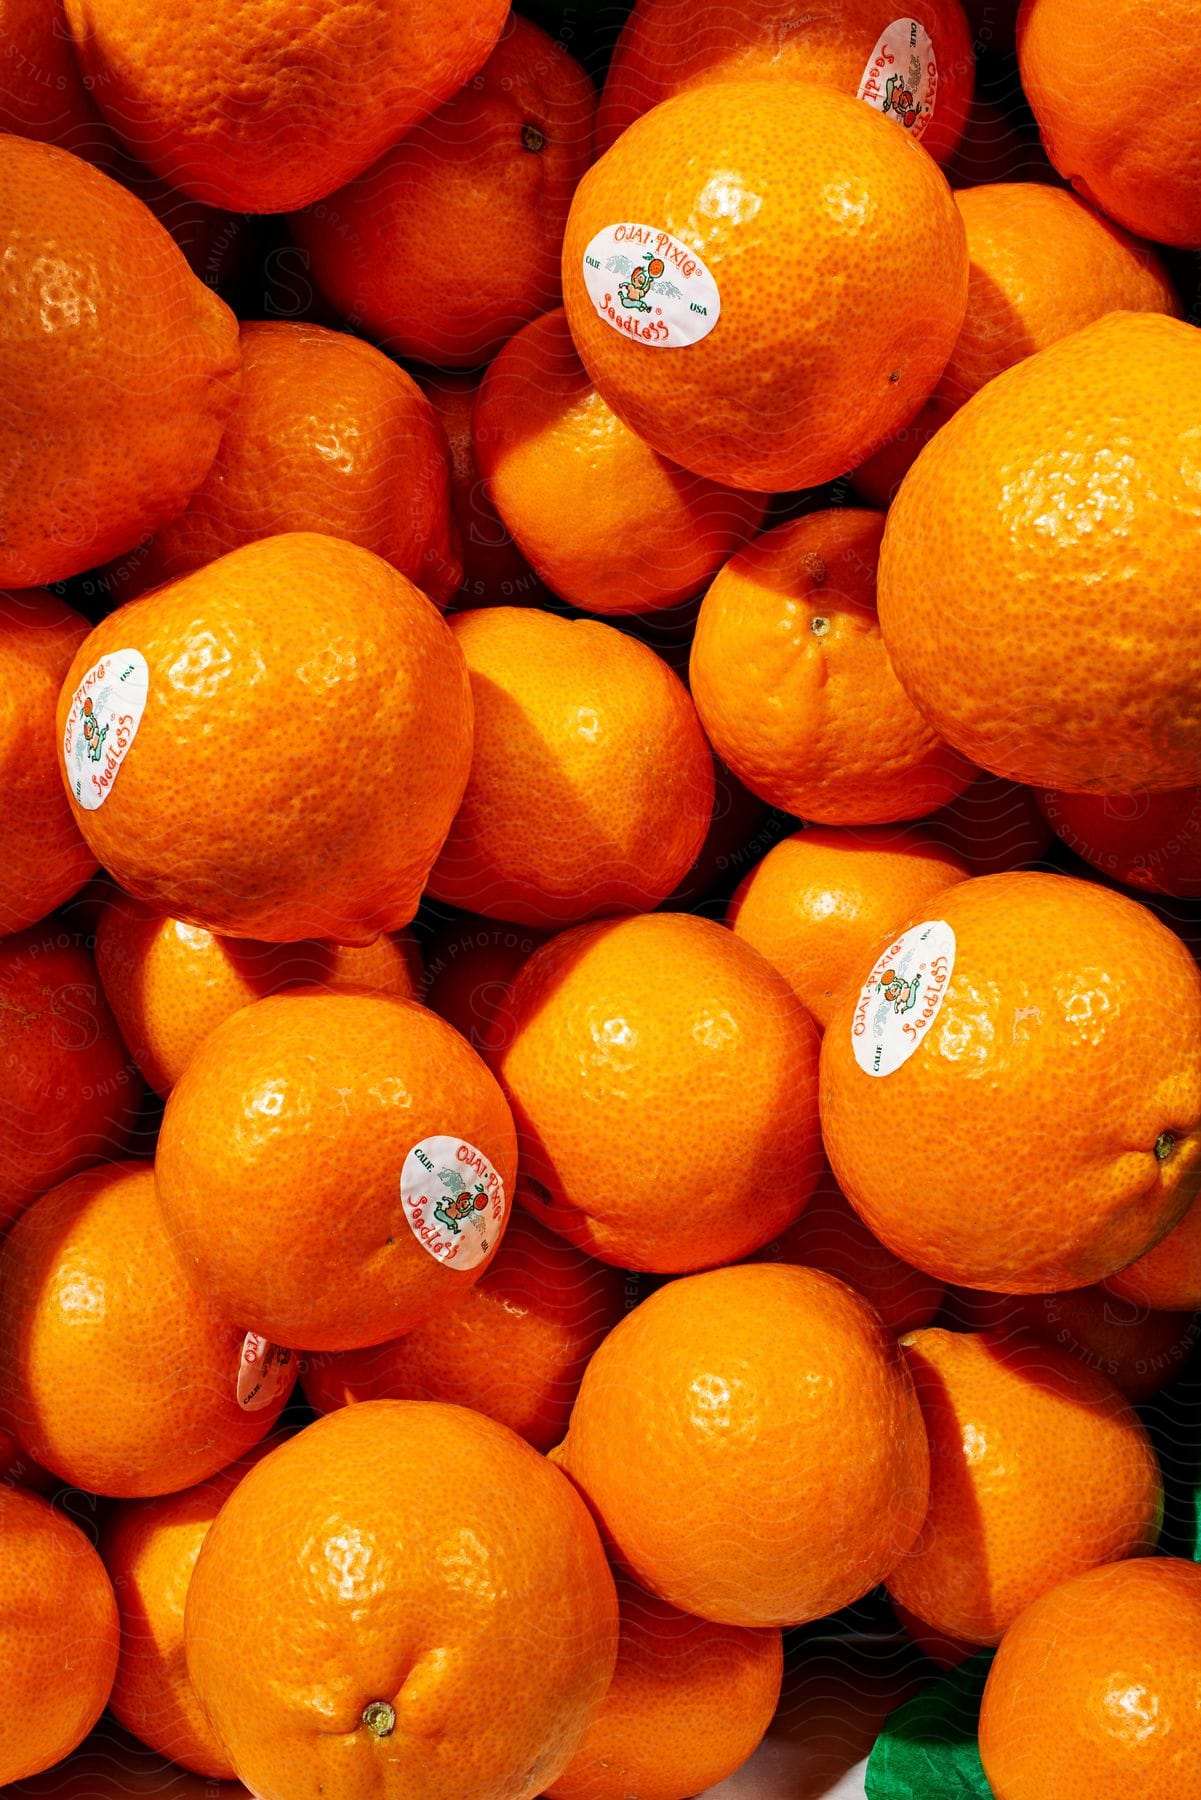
265	108
169	983
1147	841
58	1639
469	966
1169	1274
515	1346
113	1373
451	241
1100	426
662	1077
316	1102
752	1445
1042	263
1145	174
994	826
608	523
666	45
1037	1126
42	93
121	368
495	573
348	1606
808	350
1038	1469
1094	1690
308	713
591	784
794	684
328	436
688	1704
817	903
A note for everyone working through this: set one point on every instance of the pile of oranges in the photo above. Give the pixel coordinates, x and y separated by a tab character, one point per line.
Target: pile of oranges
599	847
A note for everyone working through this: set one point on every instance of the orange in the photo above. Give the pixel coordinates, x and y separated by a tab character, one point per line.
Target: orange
113	1373
43	859
591	784
1148	841
1094	1690
305	709
1042	264
944	1651
329	436
1145	171
70	1093
469	967
794	684
994	826
265	108
217	243
514	1347
1099	427
752	1445
451	241
1169	1274
121	368
1137	1349
42	94
608	523
169	983
58	1642
318	1103
663	1082
348	1608
149	1548
786	223
495	573
1038	1469
666	45
817	903
688	1704
1035	1127
830	1235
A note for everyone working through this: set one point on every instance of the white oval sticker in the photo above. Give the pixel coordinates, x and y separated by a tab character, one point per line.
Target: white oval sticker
265	1372
648	285
106	710
453	1199
901	77
901	997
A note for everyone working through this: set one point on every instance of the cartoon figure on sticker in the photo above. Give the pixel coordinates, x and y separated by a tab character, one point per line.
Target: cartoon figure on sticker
898	95
94	733
640	279
902	993
463	1202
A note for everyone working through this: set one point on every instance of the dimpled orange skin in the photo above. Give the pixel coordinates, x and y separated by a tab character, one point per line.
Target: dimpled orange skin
1094	1690
666	45
387	1554
58	1637
1145	173
514	1347
294	690
1169	1274
591	785
609	525
69	1092
328	435
43	859
483	185
495	573
1037	533
233	104
689	1703
794	686
817	903
1039	1469
820	352
752	1446
1042	264
1148	841
311	1101
169	983
1067	1042
113	1373
663	1082
121	368
42	94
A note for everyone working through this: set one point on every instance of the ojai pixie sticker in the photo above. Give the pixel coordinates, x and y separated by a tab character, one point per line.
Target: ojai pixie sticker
648	285
901	77
901	997
106	710
453	1199
265	1371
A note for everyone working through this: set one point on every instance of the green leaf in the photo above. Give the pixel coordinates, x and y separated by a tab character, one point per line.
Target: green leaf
927	1749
